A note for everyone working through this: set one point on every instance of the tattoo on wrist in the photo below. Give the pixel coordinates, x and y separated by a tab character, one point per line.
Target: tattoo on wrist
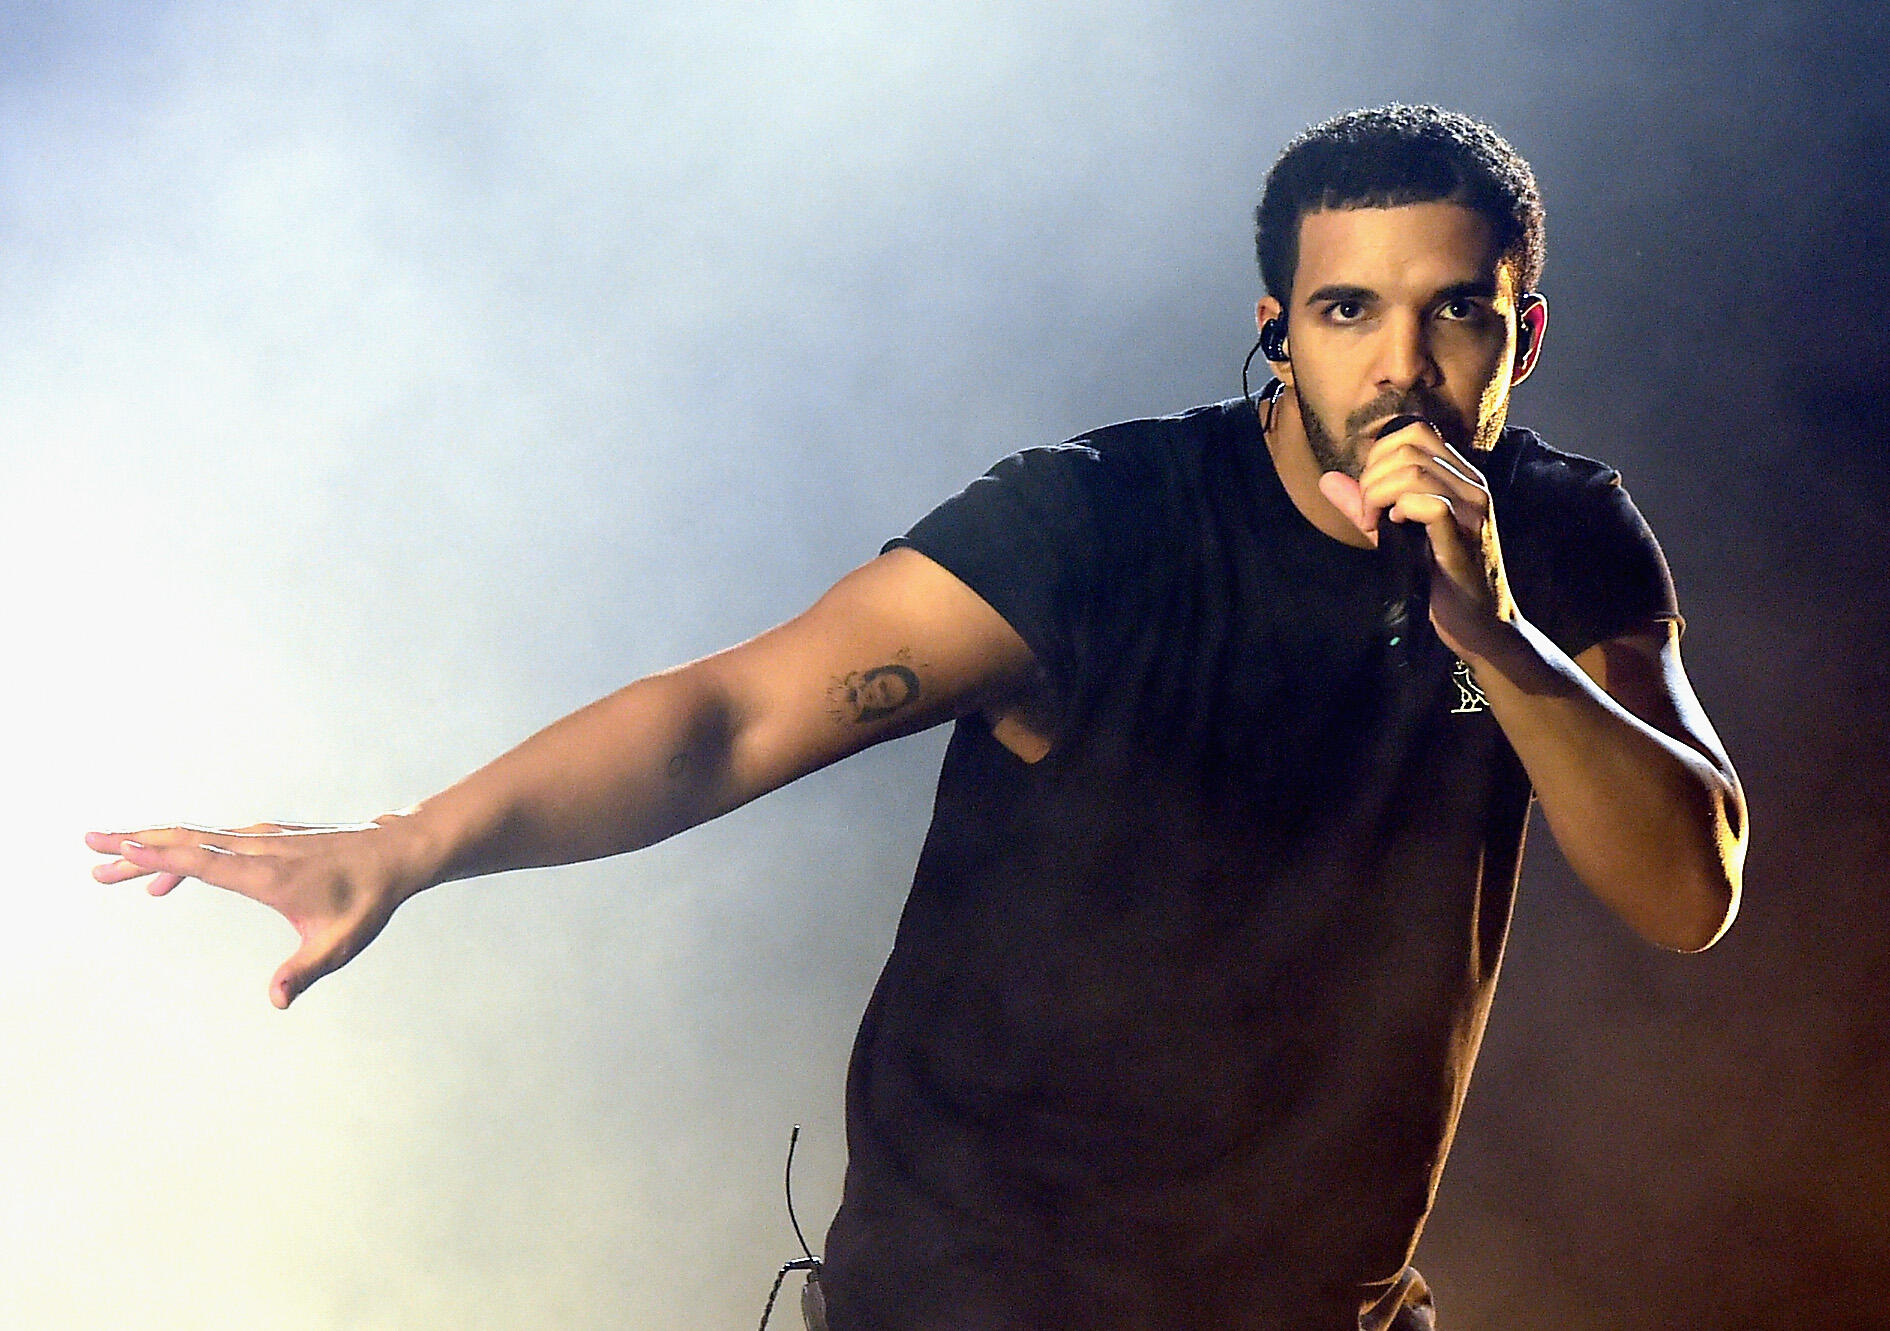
678	765
861	697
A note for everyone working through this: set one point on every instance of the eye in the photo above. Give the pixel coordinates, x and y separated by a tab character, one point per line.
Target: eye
1460	309
1345	311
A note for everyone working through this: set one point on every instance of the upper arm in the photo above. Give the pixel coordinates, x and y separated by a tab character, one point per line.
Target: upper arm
1642	671
896	646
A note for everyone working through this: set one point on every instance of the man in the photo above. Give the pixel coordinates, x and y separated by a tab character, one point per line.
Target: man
1200	946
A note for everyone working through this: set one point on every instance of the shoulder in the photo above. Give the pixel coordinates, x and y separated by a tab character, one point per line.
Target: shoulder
1096	479
1133	460
1045	535
1524	462
1160	438
1582	560
1558	496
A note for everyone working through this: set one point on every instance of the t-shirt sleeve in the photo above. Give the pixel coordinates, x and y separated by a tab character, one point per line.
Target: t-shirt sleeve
1025	537
1582	561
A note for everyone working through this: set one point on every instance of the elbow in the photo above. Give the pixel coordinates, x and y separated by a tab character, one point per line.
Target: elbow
1675	879
1706	885
1717	904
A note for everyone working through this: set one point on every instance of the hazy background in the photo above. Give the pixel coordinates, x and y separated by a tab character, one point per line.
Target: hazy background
379	381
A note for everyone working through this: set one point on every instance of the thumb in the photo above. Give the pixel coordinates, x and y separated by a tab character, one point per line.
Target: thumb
319	954
1344	494
288	982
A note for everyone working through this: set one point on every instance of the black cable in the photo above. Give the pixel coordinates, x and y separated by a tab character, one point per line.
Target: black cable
798	1264
809	1263
787	1186
1245	365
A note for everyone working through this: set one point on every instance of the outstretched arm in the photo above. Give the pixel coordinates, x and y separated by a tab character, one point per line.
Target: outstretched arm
894	647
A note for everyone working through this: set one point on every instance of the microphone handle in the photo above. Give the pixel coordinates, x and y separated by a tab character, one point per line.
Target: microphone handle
1409	548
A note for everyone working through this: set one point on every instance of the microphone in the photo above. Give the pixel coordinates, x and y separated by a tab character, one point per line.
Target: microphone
1408	547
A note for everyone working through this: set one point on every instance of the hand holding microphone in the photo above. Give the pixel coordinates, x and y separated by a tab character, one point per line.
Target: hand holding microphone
1447	566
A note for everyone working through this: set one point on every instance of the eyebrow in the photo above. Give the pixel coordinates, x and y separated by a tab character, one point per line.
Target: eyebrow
1335	292
1482	288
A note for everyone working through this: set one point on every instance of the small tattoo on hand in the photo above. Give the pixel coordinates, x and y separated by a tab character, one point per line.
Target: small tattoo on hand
678	765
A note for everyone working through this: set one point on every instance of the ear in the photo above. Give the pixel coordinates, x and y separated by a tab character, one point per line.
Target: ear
1532	321
1269	308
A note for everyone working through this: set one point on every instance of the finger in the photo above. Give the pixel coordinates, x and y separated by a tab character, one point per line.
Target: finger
1411	496
1343	493
1430	511
107	843
318	955
285	985
1396	463
118	871
249	875
1413	460
1420	434
109	840
1462	471
1452	546
1416	440
1420	439
122	870
240	839
1386	486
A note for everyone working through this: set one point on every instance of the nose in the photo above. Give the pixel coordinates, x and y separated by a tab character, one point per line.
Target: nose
1404	353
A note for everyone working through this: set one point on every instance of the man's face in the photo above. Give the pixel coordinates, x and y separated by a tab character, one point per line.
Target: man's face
1399	310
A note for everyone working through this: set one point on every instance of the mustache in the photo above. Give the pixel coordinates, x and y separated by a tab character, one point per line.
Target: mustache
1431	409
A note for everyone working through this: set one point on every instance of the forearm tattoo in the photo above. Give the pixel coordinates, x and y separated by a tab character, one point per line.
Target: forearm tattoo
861	697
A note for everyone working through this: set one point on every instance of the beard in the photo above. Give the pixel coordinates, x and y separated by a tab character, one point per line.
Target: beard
1346	453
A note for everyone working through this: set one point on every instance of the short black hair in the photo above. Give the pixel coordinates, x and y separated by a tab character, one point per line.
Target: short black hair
1390	156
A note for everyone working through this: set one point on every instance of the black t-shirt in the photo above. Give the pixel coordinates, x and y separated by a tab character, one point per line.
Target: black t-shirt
1178	1019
